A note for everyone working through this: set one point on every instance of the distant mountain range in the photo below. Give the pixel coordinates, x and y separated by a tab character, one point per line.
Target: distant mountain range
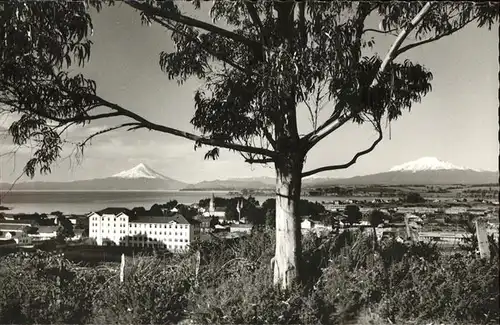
141	177
423	171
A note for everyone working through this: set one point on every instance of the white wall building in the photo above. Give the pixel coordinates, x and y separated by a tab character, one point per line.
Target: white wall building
174	233
245	228
45	233
20	237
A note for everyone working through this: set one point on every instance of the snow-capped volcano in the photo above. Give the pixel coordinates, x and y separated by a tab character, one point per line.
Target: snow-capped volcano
427	163
140	171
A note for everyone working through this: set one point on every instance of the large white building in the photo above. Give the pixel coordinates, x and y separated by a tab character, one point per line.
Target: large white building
122	229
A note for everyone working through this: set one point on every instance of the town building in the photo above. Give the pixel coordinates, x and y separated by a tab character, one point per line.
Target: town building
455	210
175	232
206	223
244	228
15	223
15	233
45	233
310	226
213	211
307	224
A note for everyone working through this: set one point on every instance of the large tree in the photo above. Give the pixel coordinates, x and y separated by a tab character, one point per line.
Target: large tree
260	63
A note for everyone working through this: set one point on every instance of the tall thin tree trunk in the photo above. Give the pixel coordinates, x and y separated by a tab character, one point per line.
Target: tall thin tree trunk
288	234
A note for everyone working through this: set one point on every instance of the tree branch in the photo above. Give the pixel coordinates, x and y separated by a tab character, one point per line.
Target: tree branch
205	48
351	162
106	131
252	11
399	41
432	39
390	32
75	119
333	123
142	122
249	158
180	18
269	137
302	24
259	160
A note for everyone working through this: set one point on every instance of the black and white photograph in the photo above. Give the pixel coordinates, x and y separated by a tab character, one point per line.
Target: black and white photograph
249	162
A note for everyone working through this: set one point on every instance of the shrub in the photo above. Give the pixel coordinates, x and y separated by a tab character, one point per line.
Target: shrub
44	288
247	296
348	281
454	289
153	292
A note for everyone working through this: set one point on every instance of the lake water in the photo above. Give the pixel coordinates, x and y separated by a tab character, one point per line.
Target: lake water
78	202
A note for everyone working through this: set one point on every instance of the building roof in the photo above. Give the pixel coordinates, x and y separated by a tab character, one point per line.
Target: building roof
5	228
16	222
177	218
243	225
47	229
115	211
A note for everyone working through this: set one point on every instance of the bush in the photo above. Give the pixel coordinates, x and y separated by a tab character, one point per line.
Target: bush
454	289
348	281
43	288
247	296
153	292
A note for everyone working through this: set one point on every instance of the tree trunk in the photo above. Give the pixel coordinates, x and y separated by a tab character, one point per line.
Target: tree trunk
288	234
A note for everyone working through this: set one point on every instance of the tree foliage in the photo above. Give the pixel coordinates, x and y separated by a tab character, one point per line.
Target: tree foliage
187	211
257	72
65	229
171	204
414	197
376	217
353	214
269	60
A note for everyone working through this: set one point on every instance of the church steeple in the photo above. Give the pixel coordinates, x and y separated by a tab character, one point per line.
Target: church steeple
211	208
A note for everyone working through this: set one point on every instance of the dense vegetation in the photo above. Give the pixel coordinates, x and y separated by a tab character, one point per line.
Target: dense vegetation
347	279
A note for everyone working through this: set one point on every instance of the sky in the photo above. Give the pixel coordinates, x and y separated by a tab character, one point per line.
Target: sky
457	122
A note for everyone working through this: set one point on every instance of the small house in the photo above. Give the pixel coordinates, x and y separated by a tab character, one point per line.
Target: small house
246	228
307	224
45	233
78	234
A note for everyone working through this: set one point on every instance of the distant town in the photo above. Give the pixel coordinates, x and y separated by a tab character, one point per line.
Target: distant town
397	213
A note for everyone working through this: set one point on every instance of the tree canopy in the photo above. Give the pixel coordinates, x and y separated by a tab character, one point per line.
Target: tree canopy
314	56
376	217
414	197
353	214
260	62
